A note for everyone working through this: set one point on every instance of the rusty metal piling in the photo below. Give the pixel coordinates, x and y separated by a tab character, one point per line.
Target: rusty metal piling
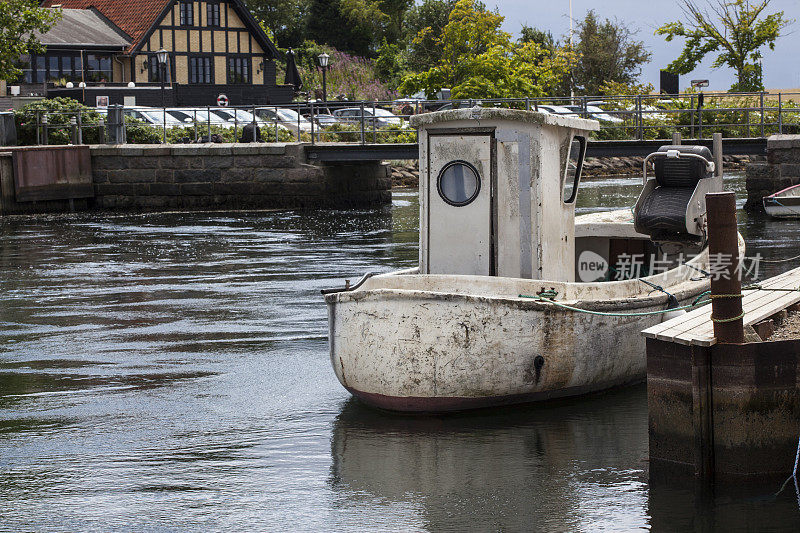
726	284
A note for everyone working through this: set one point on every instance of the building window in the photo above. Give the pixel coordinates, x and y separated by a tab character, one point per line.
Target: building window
57	67
154	69
239	70
98	68
187	13
200	69
212	13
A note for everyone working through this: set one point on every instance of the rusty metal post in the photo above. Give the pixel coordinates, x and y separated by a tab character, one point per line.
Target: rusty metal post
726	285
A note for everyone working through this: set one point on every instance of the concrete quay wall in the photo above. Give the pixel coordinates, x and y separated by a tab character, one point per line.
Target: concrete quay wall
780	170
213	176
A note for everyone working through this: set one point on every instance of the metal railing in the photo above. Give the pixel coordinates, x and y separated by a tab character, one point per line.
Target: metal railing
621	117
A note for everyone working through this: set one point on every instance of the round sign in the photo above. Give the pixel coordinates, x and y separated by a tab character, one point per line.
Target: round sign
222	100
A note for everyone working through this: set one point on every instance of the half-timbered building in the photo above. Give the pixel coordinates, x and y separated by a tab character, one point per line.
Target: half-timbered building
214	47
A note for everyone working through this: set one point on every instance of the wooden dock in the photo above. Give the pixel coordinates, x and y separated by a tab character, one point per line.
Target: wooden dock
725	410
696	328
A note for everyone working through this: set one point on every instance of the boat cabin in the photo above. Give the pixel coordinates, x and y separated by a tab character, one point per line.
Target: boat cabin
498	190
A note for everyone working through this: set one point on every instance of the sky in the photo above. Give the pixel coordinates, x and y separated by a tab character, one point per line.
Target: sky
781	66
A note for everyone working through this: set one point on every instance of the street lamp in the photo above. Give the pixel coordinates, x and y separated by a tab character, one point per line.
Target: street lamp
162	56
323	62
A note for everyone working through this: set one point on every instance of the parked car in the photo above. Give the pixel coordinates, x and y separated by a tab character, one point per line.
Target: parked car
555	109
325	120
152	116
596	113
286	118
188	115
235	116
381	119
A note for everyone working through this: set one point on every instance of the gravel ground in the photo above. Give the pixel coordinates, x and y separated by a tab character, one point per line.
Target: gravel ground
789	328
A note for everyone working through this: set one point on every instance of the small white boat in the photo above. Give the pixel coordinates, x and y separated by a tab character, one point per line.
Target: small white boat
784	204
515	299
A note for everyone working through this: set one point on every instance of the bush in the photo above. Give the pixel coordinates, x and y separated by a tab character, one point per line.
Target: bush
58	112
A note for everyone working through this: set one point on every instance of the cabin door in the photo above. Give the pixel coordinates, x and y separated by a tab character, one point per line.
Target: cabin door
460	204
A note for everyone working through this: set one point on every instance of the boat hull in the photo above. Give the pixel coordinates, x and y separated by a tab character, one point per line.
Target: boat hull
416	351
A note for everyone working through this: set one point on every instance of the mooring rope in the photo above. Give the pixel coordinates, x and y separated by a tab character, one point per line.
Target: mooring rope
543	298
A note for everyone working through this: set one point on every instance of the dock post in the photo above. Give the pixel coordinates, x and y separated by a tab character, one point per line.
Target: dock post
723	254
717	149
676	138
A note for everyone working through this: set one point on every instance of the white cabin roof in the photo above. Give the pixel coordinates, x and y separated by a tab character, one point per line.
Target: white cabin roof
500	113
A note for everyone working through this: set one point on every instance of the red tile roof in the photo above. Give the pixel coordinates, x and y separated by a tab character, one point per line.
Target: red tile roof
134	17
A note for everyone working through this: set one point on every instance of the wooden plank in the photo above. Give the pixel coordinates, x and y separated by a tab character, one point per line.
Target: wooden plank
759	305
696	327
693	318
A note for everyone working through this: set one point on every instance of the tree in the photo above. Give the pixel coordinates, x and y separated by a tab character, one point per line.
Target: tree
479	60
356	26
607	52
424	25
328	24
286	19
543	38
384	18
20	21
735	30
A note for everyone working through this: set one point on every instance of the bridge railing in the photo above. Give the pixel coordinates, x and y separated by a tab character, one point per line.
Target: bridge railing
694	115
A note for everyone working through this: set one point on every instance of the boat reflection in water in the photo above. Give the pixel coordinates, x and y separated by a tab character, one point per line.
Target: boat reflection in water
569	465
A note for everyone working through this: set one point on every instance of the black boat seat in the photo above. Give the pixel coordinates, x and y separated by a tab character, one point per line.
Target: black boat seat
662	212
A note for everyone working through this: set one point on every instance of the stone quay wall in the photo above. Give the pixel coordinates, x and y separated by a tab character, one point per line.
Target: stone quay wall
231	176
781	170
214	177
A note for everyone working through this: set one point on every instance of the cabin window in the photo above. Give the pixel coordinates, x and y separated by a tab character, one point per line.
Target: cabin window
239	69
200	69
572	174
187	13
212	14
458	183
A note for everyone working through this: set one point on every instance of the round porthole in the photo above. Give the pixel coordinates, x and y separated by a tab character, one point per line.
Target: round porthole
458	183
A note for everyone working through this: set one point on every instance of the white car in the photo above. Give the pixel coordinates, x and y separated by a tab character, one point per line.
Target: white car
555	109
188	115
286	118
596	113
152	115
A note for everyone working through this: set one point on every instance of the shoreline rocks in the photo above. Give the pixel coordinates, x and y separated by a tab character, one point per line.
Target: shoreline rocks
405	174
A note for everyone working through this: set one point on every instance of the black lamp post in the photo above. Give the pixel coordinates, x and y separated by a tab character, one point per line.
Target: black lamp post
162	56
323	62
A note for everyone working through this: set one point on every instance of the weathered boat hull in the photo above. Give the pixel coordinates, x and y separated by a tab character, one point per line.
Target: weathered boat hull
417	351
784	203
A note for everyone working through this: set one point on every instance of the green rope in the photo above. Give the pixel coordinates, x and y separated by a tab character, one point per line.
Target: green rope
549	295
724	320
603	313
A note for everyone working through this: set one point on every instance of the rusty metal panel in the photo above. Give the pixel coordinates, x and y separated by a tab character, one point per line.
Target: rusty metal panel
52	173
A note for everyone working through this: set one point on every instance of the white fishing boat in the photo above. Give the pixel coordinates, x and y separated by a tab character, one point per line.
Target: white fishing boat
515	299
784	203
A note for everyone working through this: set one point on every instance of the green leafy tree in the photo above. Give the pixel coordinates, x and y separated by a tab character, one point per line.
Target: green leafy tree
286	19
390	64
735	31
479	60
356	26
20	22
424	25
383	18
545	39
607	52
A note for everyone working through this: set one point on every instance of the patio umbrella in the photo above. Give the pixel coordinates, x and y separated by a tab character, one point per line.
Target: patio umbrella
292	74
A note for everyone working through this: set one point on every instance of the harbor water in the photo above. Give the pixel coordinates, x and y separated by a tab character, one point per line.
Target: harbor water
170	372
